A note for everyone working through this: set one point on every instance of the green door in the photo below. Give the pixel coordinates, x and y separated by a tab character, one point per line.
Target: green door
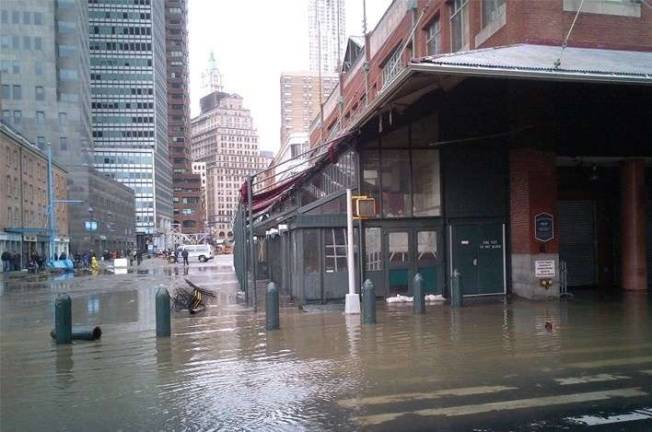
398	262
427	259
478	256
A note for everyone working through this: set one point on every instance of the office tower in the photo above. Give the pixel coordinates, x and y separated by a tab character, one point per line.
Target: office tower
129	105
186	186
326	34
224	138
44	60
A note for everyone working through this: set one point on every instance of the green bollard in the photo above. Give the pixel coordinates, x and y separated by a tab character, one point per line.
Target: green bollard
368	302
419	304
63	319
272	307
457	299
163	326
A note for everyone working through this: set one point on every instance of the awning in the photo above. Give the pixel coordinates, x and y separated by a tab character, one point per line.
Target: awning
268	196
544	62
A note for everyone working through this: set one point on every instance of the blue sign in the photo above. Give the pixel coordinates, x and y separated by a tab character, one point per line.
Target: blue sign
544	227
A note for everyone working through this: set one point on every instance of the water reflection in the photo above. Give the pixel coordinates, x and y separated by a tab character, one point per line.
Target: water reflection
64	366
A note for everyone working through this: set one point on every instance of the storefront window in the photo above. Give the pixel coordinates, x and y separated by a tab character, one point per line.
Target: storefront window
373	249
398	248
425	183
310	251
397	138
335	250
370	176
426	247
395	172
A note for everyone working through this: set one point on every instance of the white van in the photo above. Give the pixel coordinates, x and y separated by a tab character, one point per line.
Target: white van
201	252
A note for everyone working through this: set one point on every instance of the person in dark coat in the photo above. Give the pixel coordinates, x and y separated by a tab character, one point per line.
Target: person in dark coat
139	256
184	254
6	261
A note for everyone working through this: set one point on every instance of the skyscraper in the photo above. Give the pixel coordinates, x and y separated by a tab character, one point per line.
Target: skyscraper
187	197
326	34
225	139
129	105
45	78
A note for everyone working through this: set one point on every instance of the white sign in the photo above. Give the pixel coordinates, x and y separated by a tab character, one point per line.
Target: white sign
544	268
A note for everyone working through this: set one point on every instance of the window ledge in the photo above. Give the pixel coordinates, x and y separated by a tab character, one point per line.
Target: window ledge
626	8
491	28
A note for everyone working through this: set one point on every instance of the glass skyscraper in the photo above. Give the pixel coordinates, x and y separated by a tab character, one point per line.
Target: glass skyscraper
129	104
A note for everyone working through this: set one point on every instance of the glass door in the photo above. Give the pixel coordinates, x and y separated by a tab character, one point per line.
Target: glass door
428	260
398	262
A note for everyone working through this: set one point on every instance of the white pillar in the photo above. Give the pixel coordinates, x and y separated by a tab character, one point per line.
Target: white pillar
352	304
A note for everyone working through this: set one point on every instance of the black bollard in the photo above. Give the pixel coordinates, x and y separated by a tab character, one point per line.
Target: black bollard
457	299
419	305
82	334
163	326
63	319
272	307
368	302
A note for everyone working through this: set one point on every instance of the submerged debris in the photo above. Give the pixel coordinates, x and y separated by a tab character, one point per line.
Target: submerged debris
191	300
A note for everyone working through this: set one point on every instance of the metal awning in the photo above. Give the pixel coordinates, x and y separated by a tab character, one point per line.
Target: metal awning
544	62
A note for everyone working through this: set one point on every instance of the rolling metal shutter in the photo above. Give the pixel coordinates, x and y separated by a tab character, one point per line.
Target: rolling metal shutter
649	244
577	241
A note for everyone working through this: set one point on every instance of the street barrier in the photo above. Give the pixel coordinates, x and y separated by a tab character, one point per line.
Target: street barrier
368	302
272	307
419	305
63	319
457	299
163	325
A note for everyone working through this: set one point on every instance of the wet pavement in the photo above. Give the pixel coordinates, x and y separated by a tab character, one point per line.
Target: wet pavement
487	367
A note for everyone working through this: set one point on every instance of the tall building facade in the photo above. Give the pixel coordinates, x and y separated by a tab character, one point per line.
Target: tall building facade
129	106
301	100
225	139
326	34
46	97
187	196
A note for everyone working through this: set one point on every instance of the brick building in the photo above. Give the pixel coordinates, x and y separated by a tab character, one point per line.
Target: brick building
490	150
186	186
24	197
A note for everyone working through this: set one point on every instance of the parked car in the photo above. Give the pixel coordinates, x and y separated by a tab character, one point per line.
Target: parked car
201	252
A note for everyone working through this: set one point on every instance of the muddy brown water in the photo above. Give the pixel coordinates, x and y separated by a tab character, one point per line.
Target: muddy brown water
222	371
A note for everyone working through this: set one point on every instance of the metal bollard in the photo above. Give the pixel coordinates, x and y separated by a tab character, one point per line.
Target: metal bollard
368	302
163	325
457	300
419	305
272	307
63	319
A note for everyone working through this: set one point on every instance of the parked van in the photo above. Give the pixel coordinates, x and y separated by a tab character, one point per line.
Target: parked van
200	252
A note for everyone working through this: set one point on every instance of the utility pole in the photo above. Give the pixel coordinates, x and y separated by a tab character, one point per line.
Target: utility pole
51	206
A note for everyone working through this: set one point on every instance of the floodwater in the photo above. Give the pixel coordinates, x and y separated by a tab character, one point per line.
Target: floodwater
221	370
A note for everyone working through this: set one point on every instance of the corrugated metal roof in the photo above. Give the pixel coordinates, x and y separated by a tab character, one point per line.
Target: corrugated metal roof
524	59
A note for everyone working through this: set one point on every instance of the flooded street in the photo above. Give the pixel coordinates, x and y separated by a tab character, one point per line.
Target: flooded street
496	366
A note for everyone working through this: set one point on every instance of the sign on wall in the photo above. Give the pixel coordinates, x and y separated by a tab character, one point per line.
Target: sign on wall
544	227
544	268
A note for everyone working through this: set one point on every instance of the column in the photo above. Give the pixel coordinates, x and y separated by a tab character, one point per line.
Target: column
634	268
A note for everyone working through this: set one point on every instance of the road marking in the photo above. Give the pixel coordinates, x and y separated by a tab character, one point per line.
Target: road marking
406	397
611	362
590	379
648	372
547	401
642	414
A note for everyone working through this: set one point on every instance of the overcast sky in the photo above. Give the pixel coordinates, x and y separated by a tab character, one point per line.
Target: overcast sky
254	41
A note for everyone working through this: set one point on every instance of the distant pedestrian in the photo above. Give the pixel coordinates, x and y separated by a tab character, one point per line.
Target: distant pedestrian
15	262
6	261
139	256
63	256
184	254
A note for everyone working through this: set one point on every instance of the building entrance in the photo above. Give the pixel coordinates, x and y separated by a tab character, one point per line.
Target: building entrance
478	253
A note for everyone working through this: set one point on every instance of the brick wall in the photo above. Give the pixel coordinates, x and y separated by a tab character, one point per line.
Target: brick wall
533	189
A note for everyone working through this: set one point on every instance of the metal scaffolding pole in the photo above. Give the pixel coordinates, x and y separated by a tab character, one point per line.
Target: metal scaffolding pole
250	194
